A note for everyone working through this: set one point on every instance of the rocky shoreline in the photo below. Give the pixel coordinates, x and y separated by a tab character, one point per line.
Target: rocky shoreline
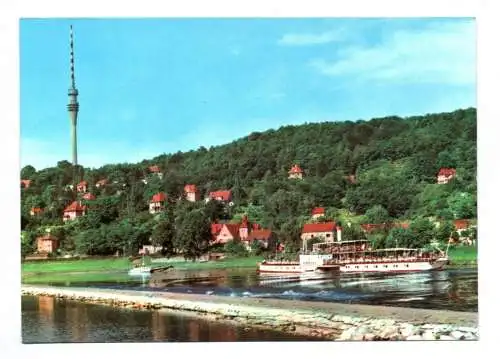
332	321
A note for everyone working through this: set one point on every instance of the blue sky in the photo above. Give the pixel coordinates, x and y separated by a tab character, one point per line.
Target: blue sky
152	86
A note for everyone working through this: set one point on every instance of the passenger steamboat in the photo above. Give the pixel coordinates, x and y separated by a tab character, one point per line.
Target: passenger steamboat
357	257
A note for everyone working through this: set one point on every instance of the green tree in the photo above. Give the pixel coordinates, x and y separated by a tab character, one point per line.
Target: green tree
377	215
164	233
27	172
235	248
192	234
463	205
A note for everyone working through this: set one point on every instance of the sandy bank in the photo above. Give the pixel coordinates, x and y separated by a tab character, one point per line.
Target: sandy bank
329	320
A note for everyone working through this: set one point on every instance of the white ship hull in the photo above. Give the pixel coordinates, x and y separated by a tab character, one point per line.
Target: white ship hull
308	264
280	268
394	266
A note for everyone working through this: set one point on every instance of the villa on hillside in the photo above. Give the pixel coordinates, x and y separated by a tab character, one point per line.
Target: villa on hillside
296	172
223	233
36	211
157	203
47	244
461	227
323	231
263	236
445	175
156	171
191	192
82	187
73	211
318	212
228	232
221	196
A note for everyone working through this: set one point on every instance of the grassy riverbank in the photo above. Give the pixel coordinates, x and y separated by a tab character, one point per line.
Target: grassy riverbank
461	256
113	269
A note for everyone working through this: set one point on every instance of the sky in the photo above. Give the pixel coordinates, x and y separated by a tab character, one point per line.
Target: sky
153	86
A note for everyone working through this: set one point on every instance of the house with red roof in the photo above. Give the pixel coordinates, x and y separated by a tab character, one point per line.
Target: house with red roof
263	236
318	212
228	232
25	183
156	171
324	231
47	243
296	172
221	196
101	183
82	187
244	232
445	175
191	192
461	226
73	211
36	211
157	203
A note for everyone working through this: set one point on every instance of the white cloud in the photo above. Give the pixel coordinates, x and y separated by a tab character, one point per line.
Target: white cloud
310	39
442	53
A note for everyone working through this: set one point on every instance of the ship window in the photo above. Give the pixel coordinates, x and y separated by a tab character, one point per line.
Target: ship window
385	265
407	265
376	266
366	266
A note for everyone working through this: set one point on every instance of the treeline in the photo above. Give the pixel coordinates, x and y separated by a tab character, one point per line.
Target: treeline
394	162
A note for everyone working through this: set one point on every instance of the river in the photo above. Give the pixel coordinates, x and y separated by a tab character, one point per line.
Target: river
46	320
450	289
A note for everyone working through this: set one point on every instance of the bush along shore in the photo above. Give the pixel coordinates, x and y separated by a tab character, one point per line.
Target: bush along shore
332	321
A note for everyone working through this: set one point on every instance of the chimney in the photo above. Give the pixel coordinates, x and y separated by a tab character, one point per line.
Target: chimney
339	234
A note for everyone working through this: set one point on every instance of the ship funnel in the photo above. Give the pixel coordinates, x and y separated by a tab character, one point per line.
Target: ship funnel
339	234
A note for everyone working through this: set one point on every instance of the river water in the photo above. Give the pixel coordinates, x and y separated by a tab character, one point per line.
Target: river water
46	320
451	289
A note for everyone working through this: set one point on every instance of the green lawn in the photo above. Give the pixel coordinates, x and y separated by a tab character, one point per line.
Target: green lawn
112	269
463	255
78	265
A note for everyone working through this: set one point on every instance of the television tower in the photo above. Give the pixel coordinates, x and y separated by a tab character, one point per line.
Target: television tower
73	102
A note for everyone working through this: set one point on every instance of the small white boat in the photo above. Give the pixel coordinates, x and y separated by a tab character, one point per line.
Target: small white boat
142	270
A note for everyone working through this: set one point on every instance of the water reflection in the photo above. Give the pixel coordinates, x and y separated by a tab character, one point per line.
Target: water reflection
45	320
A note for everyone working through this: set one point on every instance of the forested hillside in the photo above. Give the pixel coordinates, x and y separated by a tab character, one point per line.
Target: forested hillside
394	162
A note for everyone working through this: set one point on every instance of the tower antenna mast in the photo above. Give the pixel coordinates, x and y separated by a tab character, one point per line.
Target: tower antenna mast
73	107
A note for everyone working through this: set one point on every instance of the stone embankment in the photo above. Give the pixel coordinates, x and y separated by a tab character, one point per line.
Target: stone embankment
333	321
